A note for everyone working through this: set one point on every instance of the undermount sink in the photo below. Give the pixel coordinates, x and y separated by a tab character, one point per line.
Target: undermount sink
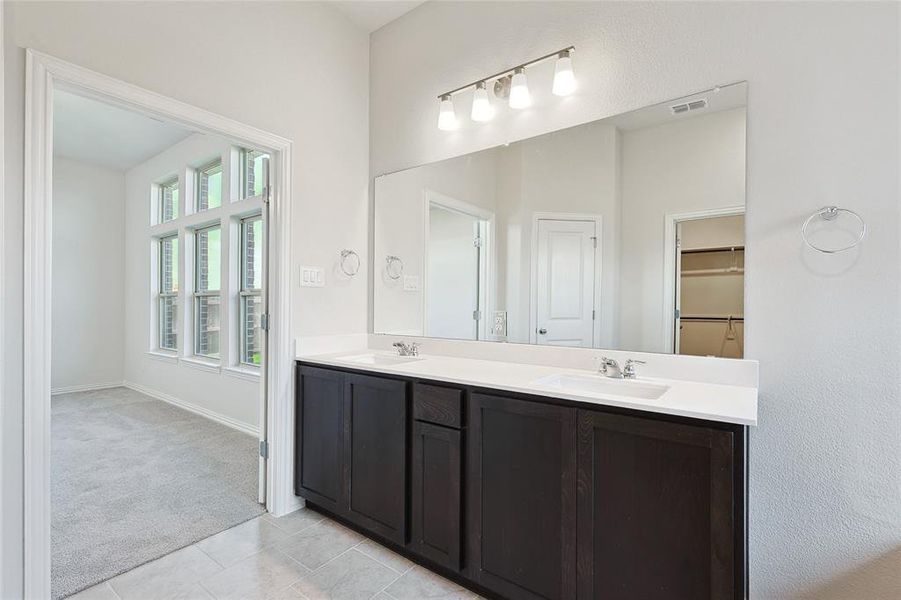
597	384
379	359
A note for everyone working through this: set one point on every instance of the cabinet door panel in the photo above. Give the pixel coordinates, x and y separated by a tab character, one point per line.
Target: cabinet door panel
655	502
319	447
375	450
436	464
522	518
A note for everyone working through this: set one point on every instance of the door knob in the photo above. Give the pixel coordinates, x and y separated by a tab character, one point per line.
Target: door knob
542	331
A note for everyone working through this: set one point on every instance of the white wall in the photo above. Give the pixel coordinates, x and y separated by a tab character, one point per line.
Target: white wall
298	69
825	508
217	391
688	165
88	270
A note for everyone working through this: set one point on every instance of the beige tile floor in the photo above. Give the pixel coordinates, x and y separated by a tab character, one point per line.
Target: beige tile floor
300	556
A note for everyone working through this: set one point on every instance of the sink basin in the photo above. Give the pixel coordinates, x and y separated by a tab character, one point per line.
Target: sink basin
597	384
379	359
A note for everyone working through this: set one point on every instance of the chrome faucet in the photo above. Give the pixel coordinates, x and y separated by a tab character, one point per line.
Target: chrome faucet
629	371
405	349
611	368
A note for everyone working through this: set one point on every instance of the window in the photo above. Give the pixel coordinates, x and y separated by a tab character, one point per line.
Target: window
251	295
207	273
209	186
167	301
253	176
168	200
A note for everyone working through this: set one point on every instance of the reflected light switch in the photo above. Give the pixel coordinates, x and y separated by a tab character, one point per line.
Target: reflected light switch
312	276
411	283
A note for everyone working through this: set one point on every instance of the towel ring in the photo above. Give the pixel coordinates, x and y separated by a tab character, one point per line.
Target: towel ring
394	266
350	262
830	213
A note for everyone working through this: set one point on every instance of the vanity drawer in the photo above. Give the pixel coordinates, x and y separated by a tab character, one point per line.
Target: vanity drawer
439	405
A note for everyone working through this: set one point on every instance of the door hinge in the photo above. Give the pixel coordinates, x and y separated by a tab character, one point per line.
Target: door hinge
676	313
264	449
594	241
477	242
476	314
264	321
593	314
267	179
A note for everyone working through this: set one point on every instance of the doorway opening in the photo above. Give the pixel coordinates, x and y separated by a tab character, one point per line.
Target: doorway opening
708	319
209	224
456	266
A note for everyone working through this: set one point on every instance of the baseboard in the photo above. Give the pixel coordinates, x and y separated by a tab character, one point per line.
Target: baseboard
198	410
85	388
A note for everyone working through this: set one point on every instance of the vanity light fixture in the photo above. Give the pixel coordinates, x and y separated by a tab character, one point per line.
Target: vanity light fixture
564	78
519	90
481	106
510	84
447	118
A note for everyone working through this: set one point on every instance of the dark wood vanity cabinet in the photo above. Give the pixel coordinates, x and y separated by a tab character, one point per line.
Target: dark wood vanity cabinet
521	472
351	450
525	497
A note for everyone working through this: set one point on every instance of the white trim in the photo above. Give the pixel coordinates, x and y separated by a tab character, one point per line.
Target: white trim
246	373
164	356
670	220
486	261
598	269
201	364
90	387
43	74
194	408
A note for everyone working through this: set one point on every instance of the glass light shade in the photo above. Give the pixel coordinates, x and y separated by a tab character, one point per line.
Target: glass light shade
481	106
519	90
447	118
564	78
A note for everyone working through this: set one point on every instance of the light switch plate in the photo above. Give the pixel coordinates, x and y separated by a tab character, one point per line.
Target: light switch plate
312	276
411	283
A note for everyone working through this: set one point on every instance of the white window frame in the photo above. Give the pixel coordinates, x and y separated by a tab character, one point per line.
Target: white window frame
161	294
161	204
198	293
242	179
198	178
244	292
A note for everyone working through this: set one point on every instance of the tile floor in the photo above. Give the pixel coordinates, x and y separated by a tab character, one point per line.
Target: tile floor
301	556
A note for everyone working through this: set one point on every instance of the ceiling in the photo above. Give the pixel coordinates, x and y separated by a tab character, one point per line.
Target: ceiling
102	134
726	97
373	14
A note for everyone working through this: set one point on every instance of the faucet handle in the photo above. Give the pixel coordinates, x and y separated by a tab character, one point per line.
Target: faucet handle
607	363
629	371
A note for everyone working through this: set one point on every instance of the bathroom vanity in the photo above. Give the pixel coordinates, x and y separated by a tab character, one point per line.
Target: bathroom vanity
532	481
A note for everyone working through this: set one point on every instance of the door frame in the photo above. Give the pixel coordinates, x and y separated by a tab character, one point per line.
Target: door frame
670	222
44	73
486	257
598	269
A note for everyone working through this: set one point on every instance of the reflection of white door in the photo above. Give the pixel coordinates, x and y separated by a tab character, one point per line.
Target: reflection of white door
452	288
565	282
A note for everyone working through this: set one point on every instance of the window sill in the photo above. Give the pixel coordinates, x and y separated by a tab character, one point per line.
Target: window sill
246	373
162	355
210	366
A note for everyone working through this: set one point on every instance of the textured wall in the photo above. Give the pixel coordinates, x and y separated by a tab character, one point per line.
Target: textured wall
822	128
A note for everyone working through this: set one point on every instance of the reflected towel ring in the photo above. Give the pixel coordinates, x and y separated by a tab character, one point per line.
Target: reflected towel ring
394	266
350	262
830	213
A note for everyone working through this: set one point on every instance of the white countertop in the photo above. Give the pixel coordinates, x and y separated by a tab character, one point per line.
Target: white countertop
708	401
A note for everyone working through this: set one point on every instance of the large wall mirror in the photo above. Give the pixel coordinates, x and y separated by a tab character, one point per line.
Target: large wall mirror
624	233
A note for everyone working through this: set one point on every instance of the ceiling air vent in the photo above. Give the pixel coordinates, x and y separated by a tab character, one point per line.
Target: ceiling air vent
685	107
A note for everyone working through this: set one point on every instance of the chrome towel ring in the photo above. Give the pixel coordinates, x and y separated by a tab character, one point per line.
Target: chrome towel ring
830	213
350	262
394	266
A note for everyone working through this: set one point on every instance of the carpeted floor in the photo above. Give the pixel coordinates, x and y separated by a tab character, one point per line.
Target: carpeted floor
134	478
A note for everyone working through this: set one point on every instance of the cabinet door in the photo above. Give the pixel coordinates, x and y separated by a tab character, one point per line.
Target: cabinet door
375	445
521	515
655	509
436	526
319	437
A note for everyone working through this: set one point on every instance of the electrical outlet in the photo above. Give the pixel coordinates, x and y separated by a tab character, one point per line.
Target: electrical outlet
312	276
500	323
